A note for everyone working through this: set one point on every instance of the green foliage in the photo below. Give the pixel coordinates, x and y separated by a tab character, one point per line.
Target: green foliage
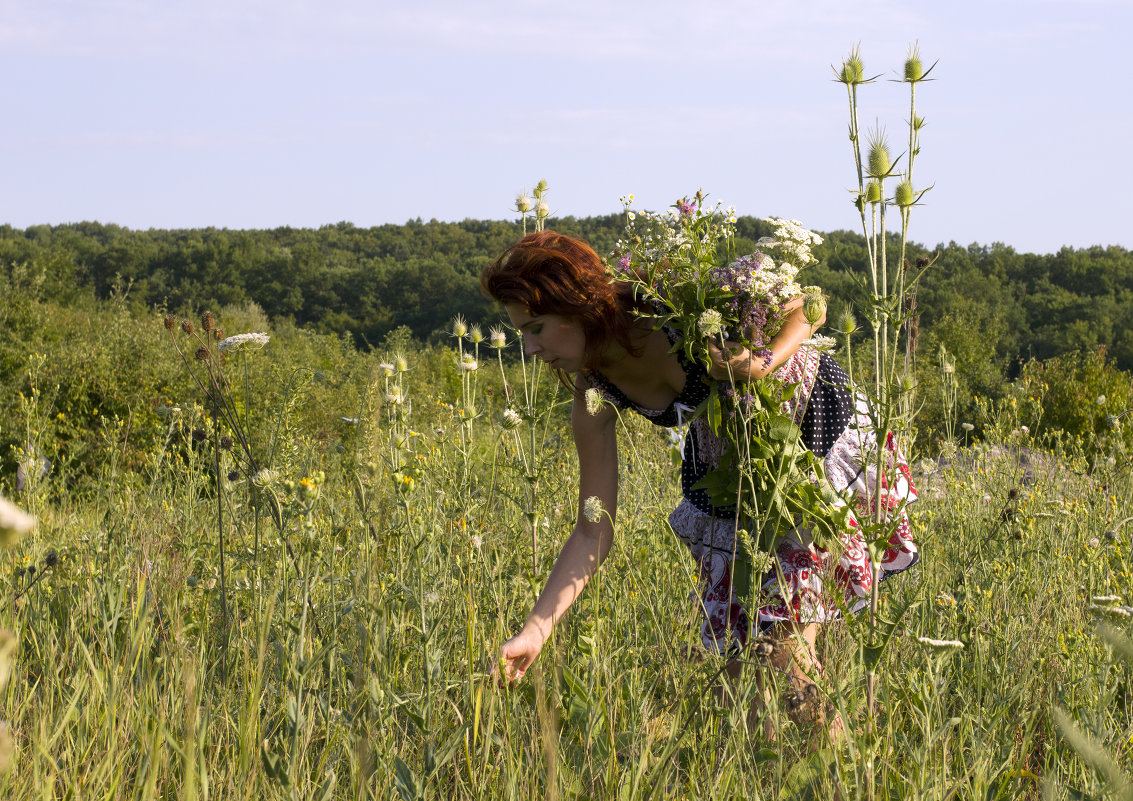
1084	397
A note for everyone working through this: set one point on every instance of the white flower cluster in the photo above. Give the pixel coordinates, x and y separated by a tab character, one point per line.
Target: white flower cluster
239	341
792	241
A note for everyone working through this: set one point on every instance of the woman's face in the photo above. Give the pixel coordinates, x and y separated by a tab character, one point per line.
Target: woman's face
558	341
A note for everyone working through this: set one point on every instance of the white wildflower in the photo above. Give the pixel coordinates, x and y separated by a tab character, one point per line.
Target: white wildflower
476	541
593	401
386	368
940	645
239	341
14	522
1107	599
394	397
468	363
967	426
1101	400
265	478
592	509
510	419
1115	611
822	342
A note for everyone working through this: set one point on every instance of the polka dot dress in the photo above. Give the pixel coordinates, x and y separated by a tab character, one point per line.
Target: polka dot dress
807	583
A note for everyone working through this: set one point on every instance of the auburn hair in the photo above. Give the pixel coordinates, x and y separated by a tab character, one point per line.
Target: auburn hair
552	273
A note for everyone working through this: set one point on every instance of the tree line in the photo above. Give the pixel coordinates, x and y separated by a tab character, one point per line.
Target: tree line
992	306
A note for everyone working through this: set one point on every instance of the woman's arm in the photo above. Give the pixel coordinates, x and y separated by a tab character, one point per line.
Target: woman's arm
739	363
595	438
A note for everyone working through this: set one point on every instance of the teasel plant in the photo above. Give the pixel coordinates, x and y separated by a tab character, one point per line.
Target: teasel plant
890	286
525	418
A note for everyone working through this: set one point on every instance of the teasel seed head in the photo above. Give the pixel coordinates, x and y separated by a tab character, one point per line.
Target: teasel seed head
814	304
922	262
217	334
880	160
233	475
542	210
170	322
202	353
50	559
853	70
846	323
523	202
199	435
873	192
475	335
208	322
226	442
497	338
904	194
187	326
539	189
459	326
914	69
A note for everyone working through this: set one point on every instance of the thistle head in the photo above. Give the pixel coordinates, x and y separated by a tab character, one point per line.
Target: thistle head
873	192
853	70
914	69
814	304
904	195
880	160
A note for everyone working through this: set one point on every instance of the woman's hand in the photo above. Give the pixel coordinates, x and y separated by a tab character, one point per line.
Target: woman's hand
517	655
732	361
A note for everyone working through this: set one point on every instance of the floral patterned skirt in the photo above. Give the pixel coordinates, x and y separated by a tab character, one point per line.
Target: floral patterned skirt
806	584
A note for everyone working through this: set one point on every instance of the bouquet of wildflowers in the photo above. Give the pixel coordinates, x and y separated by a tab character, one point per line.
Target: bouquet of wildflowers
683	263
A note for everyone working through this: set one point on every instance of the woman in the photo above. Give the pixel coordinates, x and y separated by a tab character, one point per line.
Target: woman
557	293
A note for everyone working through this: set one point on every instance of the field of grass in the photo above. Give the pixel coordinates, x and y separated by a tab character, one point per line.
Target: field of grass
311	610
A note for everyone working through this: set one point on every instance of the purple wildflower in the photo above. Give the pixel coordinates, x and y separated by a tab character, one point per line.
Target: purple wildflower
685	208
624	261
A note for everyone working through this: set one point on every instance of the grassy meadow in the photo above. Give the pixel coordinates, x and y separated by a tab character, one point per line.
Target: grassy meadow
285	572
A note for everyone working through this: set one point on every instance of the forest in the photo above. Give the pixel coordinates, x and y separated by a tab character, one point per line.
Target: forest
991	304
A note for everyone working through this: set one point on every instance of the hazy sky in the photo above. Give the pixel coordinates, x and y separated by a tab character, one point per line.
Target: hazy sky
256	114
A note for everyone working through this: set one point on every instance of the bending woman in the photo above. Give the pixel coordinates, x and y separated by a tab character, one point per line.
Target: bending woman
558	294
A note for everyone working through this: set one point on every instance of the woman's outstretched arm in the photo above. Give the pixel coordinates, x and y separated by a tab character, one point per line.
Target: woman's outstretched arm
739	364
595	438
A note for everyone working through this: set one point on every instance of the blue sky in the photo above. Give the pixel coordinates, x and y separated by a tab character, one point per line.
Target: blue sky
255	114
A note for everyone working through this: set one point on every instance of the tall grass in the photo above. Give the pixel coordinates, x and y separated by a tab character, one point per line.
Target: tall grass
359	669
